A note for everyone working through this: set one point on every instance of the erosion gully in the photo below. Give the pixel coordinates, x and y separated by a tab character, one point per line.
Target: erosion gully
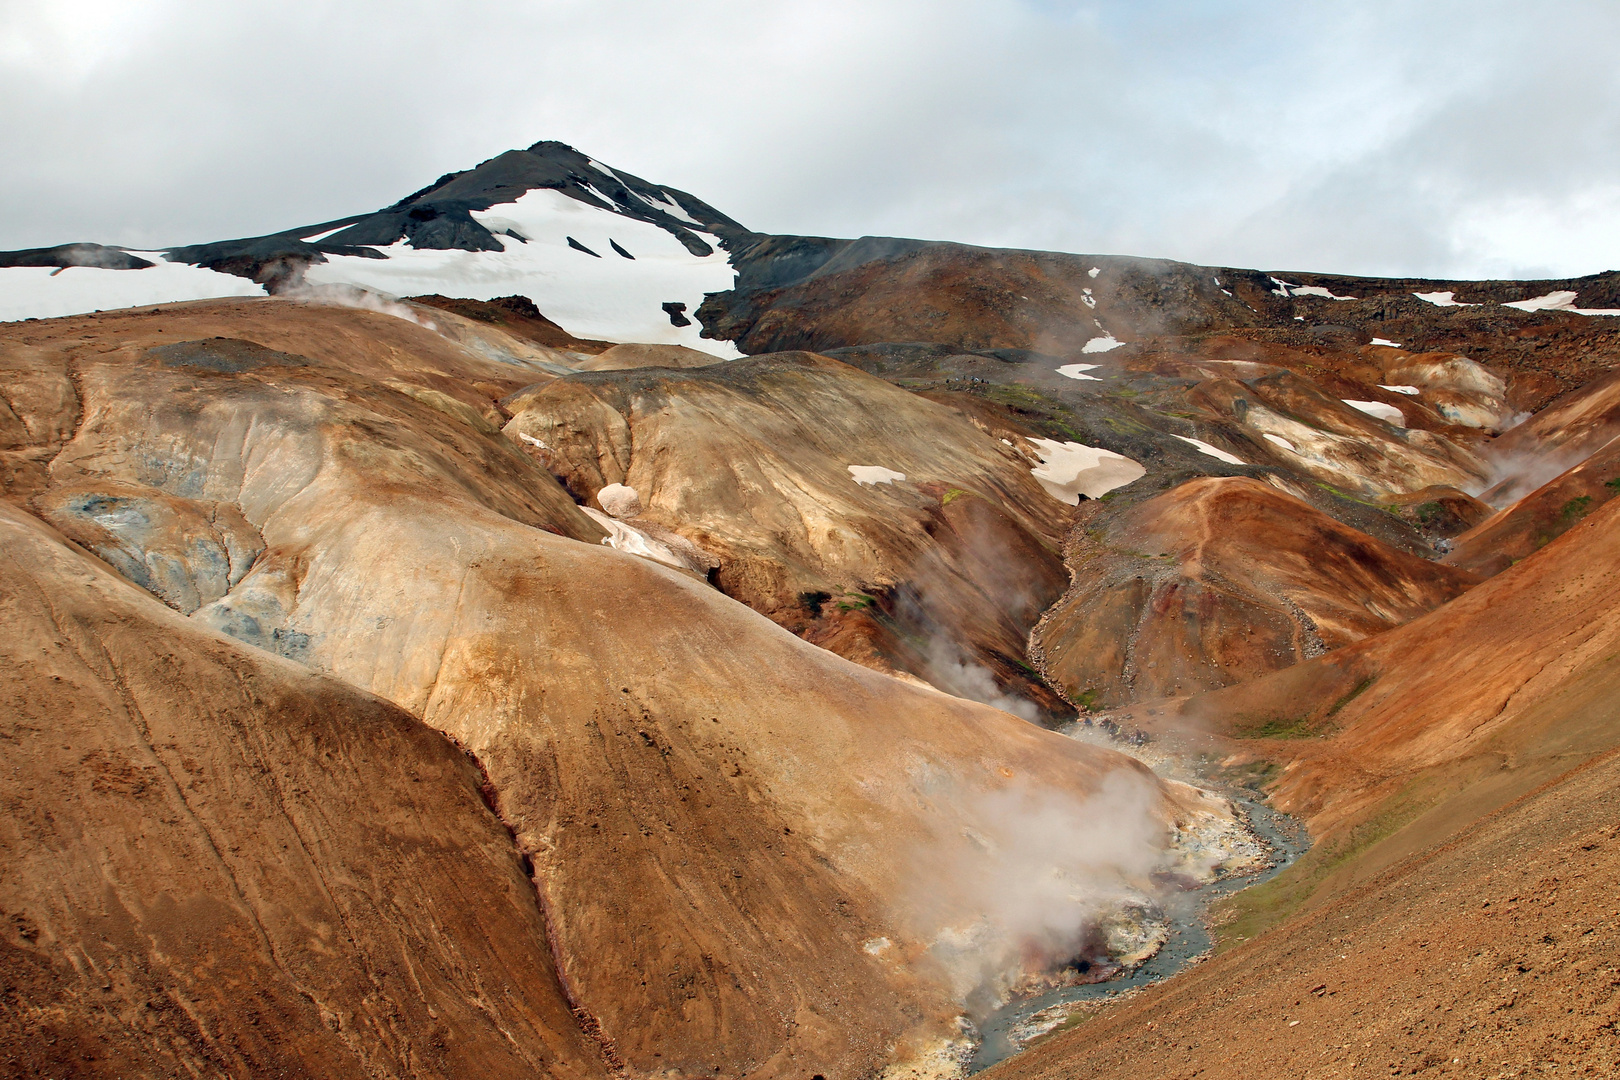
1024	1019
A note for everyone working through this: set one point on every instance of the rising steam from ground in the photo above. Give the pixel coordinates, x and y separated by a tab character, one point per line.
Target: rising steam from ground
1033	874
355	297
951	671
1527	469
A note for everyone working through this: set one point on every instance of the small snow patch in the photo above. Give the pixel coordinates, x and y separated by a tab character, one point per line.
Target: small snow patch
1094	271
1553	301
1386	341
874	474
1069	470
1387	413
619	500
1441	299
1212	451
1282	442
1317	290
1562	300
1409	391
1078	371
532	441
1101	344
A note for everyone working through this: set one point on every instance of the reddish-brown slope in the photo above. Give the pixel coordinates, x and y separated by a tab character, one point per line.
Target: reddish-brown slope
516	315
1434	691
1219	581
215	862
1541	516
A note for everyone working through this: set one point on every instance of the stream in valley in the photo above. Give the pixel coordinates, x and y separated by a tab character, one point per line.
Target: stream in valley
1023	1019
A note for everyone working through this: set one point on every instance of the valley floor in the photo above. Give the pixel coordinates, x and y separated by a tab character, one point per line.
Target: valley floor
1495	954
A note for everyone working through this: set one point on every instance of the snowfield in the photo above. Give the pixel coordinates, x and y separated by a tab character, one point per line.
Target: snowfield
604	296
43	292
632	541
1316	290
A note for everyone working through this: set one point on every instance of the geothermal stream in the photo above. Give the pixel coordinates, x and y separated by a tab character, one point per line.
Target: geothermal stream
1026	1018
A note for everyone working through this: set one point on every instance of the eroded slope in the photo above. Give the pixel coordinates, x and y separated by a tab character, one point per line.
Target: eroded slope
730	828
1219	581
869	519
219	862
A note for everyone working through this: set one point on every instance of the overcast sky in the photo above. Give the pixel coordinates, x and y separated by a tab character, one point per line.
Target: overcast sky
1472	139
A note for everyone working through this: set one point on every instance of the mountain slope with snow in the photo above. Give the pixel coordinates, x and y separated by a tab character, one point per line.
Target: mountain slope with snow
604	253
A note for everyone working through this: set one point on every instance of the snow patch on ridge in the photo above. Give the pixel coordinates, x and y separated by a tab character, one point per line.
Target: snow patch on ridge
1409	391
44	292
1441	299
1069	470
1280	441
1387	413
1316	290
1213	451
1078	371
322	235
1561	300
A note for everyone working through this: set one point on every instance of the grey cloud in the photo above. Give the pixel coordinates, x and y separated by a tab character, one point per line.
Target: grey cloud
1443	138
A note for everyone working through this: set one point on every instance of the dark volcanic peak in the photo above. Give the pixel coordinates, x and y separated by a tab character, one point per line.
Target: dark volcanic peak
439	216
555	165
65	255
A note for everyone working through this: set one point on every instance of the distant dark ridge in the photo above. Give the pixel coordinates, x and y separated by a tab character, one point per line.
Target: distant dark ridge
64	255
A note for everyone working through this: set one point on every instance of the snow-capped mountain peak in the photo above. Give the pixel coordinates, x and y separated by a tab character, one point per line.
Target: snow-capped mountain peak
603	253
